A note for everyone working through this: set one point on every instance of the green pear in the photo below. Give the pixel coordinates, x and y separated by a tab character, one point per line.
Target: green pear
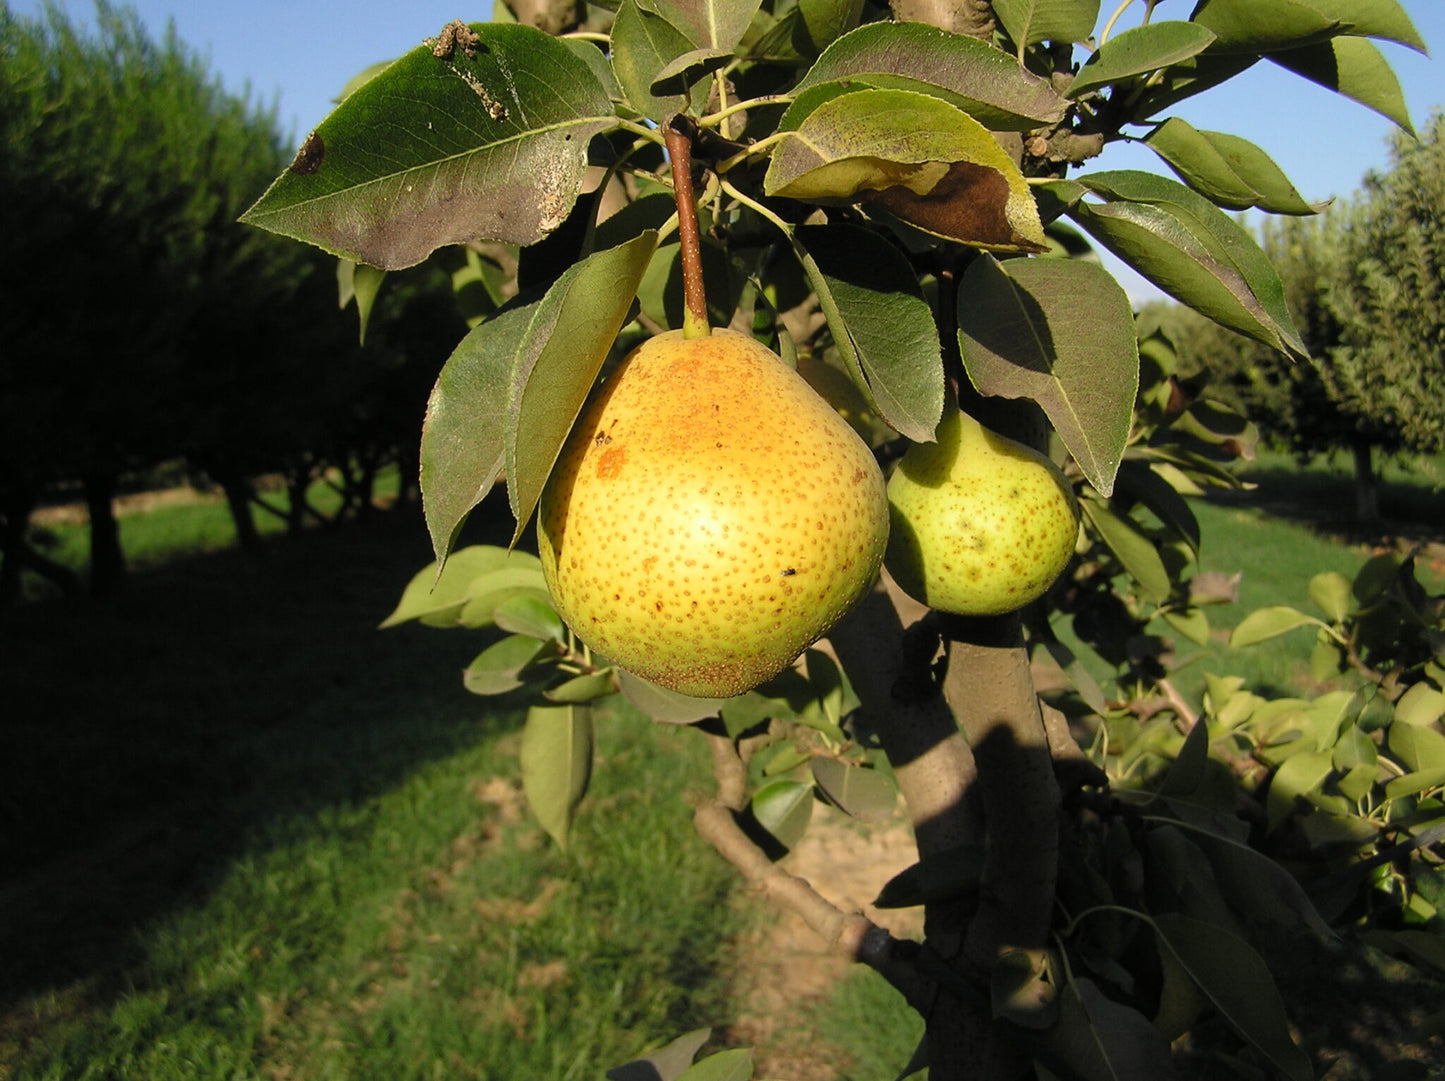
709	517
981	524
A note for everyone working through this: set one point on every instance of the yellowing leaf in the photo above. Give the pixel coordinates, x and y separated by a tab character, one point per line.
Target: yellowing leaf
914	156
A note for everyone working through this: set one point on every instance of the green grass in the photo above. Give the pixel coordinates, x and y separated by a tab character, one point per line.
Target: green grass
248	835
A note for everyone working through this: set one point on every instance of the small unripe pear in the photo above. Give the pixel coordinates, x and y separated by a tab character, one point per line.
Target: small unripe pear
981	524
710	516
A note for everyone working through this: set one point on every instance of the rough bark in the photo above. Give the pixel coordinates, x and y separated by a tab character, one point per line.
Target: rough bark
107	559
1367	490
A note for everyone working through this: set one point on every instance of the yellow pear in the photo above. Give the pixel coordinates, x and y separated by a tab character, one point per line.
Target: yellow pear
981	524
710	516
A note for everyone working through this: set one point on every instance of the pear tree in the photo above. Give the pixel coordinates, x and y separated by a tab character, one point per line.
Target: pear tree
785	203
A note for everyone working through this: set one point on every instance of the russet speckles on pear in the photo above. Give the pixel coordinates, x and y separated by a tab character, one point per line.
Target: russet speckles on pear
710	516
981	525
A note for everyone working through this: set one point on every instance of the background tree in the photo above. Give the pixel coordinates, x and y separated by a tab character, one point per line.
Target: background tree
1362	283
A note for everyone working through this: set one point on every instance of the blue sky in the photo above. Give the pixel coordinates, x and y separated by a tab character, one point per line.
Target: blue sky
300	53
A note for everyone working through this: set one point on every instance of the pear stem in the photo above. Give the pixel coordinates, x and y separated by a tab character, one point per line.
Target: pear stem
679	150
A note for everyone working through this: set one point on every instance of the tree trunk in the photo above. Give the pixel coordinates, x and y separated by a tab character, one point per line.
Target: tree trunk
1367	491
107	558
238	500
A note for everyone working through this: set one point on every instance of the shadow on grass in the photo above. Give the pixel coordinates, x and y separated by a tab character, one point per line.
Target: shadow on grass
1411	511
151	739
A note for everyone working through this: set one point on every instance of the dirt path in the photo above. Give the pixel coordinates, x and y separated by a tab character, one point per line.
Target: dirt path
781	966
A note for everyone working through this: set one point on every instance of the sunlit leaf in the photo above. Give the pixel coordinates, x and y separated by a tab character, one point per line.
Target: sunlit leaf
1421	749
436	597
666	1063
502	666
915	156
1029	22
556	759
1422	704
1226	169
664	705
584	688
783	808
530	615
1269	622
464	434
733	1065
1248	26
1297	778
558	360
1061	332
643	44
1141	50
987	84
485	141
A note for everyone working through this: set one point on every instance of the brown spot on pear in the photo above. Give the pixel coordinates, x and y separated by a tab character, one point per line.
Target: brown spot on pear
981	524
722	468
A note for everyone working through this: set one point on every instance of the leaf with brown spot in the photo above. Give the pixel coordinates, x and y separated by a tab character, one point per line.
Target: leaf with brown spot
488	143
919	158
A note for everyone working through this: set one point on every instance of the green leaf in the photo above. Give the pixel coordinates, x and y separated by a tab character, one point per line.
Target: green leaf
1259	887
584	688
857	791
530	615
558	361
556	758
519	577
1193	155
361	283
643	44
915	156
827	20
1134	550
501	666
1144	483
1274	191
1330	591
663	705
484	143
666	1063
1139	51
1422	704
987	84
783	808
1061	332
1029	22
880	322
832	692
436	596
1104	1040
734	1065
1269	622
1420	749
464	434
1298	778
1192	250
1373	19
1413	784
1238	982
716	24
1355	68
1248	26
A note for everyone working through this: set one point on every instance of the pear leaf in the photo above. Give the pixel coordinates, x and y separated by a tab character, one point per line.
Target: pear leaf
1354	68
1029	22
984	82
880	322
436	594
1229	171
663	705
783	809
556	759
1270	622
1139	51
1103	1040
915	156
1247	26
487	141
558	359
507	664
664	1064
1134	550
1238	982
1059	331
643	45
857	791
1188	247
733	1065
464	433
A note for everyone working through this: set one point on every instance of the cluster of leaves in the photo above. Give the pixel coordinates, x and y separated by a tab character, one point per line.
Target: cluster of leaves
800	723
